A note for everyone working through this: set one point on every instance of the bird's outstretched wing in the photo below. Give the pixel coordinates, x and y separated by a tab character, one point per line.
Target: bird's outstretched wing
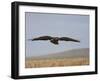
42	38
68	39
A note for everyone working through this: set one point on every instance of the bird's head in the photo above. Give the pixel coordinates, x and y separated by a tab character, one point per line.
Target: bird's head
56	38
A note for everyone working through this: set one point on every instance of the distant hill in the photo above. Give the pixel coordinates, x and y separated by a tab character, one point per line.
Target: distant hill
82	52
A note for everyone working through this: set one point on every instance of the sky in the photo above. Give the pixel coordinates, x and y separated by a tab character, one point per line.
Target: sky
56	25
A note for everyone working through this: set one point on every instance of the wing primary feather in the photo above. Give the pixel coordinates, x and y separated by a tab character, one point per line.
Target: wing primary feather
68	39
42	38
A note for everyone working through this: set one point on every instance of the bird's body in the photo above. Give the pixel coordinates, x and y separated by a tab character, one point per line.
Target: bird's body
55	40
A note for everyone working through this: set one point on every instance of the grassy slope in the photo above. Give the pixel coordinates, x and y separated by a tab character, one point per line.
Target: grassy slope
75	57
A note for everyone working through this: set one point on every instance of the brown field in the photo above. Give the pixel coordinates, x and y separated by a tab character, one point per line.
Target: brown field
73	61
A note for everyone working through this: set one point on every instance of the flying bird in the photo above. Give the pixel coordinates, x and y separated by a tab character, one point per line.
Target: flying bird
54	40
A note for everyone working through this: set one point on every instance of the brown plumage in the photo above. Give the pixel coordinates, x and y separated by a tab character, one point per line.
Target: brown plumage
54	40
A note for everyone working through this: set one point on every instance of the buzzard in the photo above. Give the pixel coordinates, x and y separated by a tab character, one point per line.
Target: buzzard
54	40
